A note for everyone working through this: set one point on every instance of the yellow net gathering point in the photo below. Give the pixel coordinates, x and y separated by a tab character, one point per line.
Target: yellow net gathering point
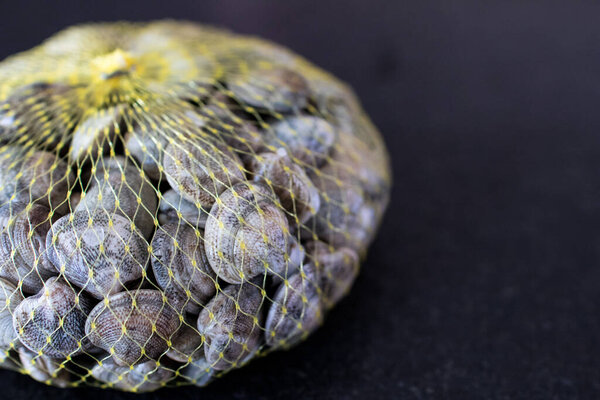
175	200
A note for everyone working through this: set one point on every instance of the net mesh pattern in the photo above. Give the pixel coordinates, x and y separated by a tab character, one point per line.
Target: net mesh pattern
175	200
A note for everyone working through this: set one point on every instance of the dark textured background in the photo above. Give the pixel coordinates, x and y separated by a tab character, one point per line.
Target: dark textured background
484	280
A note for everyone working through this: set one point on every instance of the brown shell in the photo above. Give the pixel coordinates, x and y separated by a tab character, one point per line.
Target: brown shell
23	230
117	187
34	176
276	89
296	192
97	252
180	266
200	170
144	377
246	234
296	309
133	326
53	320
230	323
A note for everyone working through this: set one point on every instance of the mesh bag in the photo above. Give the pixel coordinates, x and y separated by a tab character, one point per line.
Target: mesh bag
175	200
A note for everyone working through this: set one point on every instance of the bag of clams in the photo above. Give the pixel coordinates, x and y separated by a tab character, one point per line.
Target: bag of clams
175	200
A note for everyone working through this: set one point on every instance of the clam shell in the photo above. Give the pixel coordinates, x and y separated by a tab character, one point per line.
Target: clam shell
23	230
186	345
230	323
20	114
201	170
10	298
97	252
296	192
246	234
308	139
296	309
44	369
117	187
198	372
294	258
147	147
133	326
173	208
31	176
52	321
96	133
144	377
219	119
337	270
276	89
180	266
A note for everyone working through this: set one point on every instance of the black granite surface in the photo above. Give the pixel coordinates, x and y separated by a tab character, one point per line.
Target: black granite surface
484	280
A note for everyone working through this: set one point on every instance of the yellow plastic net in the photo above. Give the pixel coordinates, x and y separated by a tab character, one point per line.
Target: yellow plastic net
174	201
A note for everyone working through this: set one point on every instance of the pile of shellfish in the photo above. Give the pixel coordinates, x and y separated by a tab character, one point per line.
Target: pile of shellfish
174	201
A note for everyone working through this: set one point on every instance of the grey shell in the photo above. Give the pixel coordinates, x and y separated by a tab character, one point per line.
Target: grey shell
246	234
180	266
23	231
296	310
10	298
52	321
230	323
97	252
117	187
144	377
134	326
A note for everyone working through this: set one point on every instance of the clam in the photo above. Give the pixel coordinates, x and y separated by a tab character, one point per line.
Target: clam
180	266
31	176
277	89
96	133
186	345
296	309
230	323
337	270
38	111
198	372
23	230
9	361
144	377
346	217
52	321
246	234
357	160
296	192
97	252
309	139
173	208
10	298
117	187
147	147
218	119
133	326
44	369
294	258
201	170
